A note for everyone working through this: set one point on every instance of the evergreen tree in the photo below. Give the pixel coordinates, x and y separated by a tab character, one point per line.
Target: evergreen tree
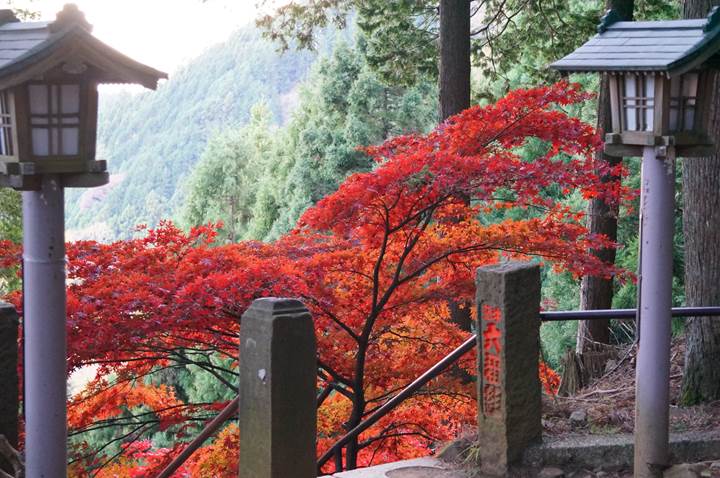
259	179
152	141
701	213
224	185
10	215
344	106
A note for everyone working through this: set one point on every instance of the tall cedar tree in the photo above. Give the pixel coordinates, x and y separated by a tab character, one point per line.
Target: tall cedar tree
296	22
597	292
701	217
454	83
454	59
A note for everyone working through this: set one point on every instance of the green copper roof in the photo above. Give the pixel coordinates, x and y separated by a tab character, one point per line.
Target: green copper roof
670	46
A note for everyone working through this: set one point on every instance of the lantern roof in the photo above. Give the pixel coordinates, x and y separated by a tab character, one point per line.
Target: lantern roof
672	47
29	49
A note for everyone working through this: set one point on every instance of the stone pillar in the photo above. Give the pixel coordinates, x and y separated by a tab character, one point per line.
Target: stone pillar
509	394
9	399
278	373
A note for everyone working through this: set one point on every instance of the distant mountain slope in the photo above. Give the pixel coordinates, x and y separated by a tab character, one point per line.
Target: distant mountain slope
152	140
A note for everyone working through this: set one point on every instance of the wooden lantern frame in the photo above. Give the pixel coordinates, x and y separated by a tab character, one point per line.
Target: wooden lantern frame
626	141
24	159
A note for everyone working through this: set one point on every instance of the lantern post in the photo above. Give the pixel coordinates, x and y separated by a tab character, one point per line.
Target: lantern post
49	73
652	373
659	77
44	328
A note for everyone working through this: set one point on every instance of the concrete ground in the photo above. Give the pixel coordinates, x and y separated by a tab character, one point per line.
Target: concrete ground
417	468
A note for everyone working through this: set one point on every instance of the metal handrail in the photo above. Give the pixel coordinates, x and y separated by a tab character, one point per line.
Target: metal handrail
405	393
554	316
433	372
545	316
209	430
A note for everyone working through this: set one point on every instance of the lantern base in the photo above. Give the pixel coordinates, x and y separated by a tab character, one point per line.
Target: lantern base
52	165
630	151
32	182
631	144
26	175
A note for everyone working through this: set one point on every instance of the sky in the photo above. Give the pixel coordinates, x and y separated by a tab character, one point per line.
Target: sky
163	34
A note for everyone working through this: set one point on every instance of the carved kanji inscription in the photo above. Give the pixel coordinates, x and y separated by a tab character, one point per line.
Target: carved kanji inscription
492	364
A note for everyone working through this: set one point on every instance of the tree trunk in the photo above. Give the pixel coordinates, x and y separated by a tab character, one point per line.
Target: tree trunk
356	415
455	92
701	217
454	57
596	292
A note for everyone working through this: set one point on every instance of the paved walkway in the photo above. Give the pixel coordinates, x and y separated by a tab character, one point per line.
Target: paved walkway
417	468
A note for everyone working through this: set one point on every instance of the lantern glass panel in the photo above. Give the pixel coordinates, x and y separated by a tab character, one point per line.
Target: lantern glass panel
7	148
638	102
683	101
55	119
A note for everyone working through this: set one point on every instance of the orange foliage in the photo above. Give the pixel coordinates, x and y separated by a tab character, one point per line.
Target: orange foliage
549	379
219	459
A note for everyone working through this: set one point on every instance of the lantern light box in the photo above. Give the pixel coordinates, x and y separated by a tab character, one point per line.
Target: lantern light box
660	78
49	73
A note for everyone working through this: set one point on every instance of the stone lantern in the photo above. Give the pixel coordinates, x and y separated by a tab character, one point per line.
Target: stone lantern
661	75
49	74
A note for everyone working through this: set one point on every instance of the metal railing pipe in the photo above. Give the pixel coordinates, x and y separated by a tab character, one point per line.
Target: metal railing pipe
554	316
210	429
406	392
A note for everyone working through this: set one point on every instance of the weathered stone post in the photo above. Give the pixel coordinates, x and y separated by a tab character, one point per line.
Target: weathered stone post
278	371
9	400
509	395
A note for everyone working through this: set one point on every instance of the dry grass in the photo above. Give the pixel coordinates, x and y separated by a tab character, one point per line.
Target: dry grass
610	402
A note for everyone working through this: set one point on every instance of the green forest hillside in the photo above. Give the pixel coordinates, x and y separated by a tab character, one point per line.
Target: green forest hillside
152	140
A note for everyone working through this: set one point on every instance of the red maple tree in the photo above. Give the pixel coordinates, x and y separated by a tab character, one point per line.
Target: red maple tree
376	262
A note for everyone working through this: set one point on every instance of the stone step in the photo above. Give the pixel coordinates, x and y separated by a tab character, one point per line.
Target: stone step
616	451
